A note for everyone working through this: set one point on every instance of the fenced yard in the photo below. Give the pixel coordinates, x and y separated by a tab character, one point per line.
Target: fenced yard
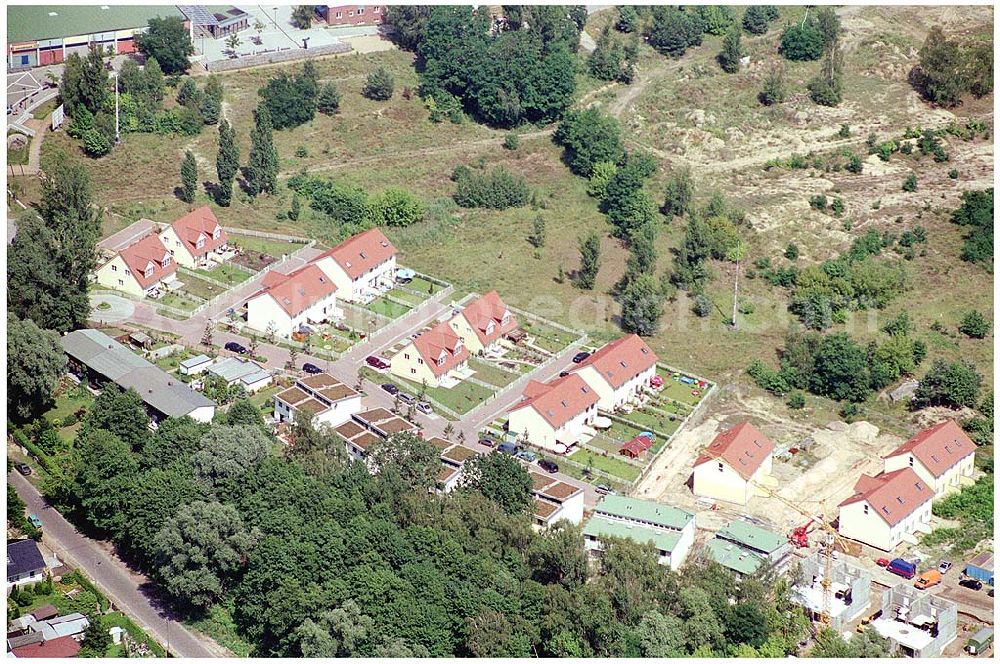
226	273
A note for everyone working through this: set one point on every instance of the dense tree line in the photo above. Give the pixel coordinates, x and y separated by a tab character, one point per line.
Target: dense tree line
497	189
313	555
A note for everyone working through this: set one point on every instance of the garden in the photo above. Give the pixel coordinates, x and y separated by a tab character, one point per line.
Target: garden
225	273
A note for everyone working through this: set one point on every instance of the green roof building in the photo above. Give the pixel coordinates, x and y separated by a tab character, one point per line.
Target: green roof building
734	557
669	529
755	539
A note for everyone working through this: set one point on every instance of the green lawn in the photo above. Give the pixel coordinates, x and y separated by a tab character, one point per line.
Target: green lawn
578	473
422	285
18	156
206	290
265	396
623	432
265	246
387	308
70	399
226	273
178	301
412	299
608	464
492	374
547	337
674	389
650	419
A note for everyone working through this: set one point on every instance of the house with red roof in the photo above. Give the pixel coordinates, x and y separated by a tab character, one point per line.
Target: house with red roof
942	455
431	357
618	371
887	509
483	322
64	646
362	267
287	302
554	415
734	465
193	237
140	268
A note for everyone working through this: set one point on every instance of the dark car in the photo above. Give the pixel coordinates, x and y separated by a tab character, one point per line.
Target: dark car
390	388
488	442
376	362
563	374
23	468
548	466
311	368
973	584
236	347
580	357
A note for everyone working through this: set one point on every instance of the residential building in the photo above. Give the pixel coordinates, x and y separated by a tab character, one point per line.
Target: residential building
555	413
619	371
668	528
746	548
290	302
848	593
453	459
73	624
734	466
249	375
356	438
555	501
25	563
330	402
352	14
40	35
942	455
361	267
195	365
483	322
383	423
431	357
139	269
65	646
981	567
917	623
97	358
887	509
193	237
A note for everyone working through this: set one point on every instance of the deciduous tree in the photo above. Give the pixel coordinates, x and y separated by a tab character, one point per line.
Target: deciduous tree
35	363
169	42
262	169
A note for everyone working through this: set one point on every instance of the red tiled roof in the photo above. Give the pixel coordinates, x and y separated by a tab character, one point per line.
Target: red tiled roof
64	646
939	447
441	343
199	223
636	446
743	447
299	290
485	316
148	251
361	253
621	360
560	400
893	496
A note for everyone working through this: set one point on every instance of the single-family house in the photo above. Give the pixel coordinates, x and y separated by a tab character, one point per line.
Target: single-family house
917	623
65	646
140	268
554	413
360	267
483	322
330	402
942	455
887	509
734	465
555	501
383	423
193	237
847	595
246	373
288	302
453	459
431	356
618	371
668	528
96	357
25	563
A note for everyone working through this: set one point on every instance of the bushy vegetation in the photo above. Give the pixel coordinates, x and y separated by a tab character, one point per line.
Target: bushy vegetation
379	85
976	212
292	98
974	324
613	58
588	138
757	18
973	507
950	68
347	209
497	189
674	30
802	41
950	384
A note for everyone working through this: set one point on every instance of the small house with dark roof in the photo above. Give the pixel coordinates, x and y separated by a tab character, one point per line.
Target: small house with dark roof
362	267
619	371
942	455
734	465
330	402
25	563
887	509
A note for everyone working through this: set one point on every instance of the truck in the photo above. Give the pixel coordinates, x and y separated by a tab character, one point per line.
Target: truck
903	568
931	577
980	642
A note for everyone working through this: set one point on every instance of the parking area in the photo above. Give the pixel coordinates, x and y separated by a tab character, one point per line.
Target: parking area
276	33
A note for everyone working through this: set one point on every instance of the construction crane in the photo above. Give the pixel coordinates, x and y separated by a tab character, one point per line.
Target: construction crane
833	538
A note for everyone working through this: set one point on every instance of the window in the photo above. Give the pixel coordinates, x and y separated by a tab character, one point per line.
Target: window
121	283
406	356
721	469
201	242
361	10
378	9
350	13
340	14
217	232
866	509
413	371
128	273
114	268
911	462
149	271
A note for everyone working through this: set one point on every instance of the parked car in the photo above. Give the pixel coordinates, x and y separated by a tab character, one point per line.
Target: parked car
604	490
376	362
405	398
944	566
23	468
580	357
34	520
425	408
311	368
403	280
507	448
563	374
488	442
526	455
236	348
390	388
548	465
930	578
882	562
971	584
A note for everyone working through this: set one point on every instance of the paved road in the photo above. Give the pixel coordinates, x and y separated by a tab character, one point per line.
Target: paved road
129	591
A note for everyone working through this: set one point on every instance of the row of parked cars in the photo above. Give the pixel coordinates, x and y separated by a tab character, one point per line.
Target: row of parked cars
423	406
908	569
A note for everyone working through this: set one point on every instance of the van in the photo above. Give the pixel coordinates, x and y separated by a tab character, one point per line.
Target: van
980	642
931	577
507	448
903	568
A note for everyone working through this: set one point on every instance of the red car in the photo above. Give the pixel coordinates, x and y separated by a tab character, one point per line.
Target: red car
376	362
882	562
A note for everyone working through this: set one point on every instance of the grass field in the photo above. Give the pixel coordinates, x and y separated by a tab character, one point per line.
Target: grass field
608	464
275	248
491	374
462	398
178	301
200	288
226	273
387	307
19	155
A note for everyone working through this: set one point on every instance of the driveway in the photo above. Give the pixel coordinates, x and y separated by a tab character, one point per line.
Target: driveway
131	593
116	308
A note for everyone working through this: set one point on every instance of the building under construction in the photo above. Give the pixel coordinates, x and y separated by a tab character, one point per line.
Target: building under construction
848	593
917	624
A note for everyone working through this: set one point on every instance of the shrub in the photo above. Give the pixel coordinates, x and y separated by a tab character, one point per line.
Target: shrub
845	131
910	183
974	325
773	91
380	85
396	207
791	251
600	177
802	41
767	378
328	100
850	412
854	164
953	174
757	17
510	142
796	400
498	189
818	202
837	207
702	306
